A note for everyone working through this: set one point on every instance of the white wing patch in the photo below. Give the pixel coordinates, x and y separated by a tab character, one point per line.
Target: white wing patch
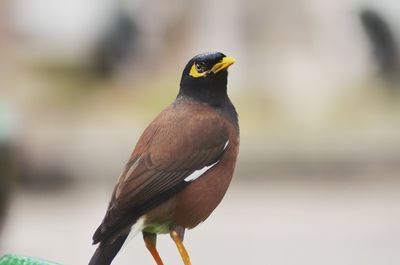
226	145
198	173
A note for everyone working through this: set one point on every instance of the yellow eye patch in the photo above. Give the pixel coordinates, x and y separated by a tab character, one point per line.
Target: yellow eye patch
195	70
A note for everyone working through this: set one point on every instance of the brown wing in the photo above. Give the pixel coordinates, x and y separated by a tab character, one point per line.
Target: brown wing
176	144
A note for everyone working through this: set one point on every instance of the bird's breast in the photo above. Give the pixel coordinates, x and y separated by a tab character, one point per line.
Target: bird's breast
197	201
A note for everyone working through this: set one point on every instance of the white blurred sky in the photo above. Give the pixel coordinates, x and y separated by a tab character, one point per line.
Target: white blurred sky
308	43
304	56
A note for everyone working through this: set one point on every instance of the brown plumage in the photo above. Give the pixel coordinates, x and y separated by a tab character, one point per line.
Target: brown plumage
181	166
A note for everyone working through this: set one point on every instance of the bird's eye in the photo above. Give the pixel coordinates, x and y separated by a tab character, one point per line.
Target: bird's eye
200	67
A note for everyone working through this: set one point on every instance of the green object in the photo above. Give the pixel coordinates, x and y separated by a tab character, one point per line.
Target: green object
22	260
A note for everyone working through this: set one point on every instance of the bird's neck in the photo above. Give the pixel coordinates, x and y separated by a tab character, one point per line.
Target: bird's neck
211	91
220	103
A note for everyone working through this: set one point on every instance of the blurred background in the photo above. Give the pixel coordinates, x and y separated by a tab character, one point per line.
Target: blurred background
317	88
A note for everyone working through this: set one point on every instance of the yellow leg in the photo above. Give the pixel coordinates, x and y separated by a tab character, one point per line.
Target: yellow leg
178	241
150	241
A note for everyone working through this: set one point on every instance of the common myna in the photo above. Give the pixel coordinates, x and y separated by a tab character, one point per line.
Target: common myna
181	166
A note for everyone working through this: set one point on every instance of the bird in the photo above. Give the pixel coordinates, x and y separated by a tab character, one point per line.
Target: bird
181	166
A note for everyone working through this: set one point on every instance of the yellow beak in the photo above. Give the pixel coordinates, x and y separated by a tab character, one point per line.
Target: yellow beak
224	64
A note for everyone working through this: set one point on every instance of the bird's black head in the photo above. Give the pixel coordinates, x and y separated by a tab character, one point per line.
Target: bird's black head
205	77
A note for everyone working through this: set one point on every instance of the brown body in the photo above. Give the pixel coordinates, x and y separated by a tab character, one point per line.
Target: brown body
197	201
174	158
181	166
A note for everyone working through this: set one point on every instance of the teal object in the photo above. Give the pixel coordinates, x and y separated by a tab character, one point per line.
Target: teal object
22	260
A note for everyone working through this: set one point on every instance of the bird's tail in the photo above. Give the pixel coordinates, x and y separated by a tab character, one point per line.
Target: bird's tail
106	251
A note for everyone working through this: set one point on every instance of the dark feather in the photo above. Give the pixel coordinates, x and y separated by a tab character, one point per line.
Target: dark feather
106	251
